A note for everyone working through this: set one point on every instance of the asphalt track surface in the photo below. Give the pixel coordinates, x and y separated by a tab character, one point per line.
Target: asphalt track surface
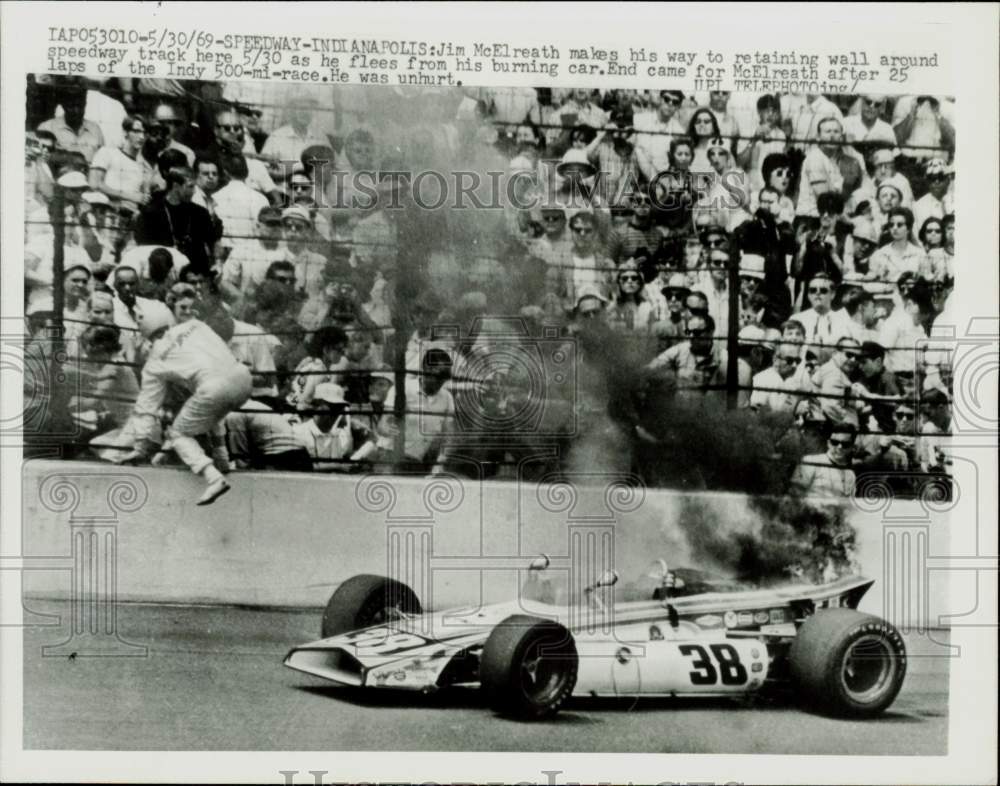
213	680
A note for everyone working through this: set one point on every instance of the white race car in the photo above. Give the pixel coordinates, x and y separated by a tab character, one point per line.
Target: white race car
692	634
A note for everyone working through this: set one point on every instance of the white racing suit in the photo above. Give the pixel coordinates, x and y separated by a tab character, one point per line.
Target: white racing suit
192	356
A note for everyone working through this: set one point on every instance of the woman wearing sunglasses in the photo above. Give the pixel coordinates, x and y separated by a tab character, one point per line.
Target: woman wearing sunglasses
937	266
629	310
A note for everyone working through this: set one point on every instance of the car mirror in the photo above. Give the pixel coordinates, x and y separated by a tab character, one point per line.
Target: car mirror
541	562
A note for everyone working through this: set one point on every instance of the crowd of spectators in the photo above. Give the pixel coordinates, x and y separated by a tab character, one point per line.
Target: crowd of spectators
241	288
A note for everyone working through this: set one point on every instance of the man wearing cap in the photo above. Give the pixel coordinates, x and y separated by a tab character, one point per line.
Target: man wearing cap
638	233
883	166
722	197
38	221
668	307
236	204
71	131
763	236
39	251
191	356
297	229
588	265
858	249
327	436
76	292
575	183
938	201
654	130
247	264
755	306
613	153
100	232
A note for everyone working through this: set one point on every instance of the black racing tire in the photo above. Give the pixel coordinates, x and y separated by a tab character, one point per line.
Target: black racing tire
366	600
528	667
848	664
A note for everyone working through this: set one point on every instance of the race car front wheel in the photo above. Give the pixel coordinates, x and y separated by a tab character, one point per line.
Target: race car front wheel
366	600
528	667
847	663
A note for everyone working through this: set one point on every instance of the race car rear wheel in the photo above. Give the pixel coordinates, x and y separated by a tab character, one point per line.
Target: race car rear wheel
847	663
528	667
366	600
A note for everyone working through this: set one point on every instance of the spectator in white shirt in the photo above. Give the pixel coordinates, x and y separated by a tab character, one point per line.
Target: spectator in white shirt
285	144
230	137
248	263
867	126
207	179
823	326
654	130
327	436
236	204
768	139
121	172
858	306
430	412
703	131
802	115
937	202
922	123
72	131
729	126
882	163
904	332
774	387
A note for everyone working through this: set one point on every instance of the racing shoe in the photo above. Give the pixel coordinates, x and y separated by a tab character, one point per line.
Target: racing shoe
214	490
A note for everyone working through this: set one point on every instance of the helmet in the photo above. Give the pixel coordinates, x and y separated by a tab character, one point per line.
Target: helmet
151	316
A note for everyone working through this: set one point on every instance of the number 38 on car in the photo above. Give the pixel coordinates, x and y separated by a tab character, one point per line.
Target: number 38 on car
689	634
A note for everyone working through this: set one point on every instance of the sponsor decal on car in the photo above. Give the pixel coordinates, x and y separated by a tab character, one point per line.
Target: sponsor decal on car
760	617
730	619
777	616
745	618
709	620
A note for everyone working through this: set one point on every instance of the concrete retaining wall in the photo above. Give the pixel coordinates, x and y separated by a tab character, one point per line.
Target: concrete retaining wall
289	539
